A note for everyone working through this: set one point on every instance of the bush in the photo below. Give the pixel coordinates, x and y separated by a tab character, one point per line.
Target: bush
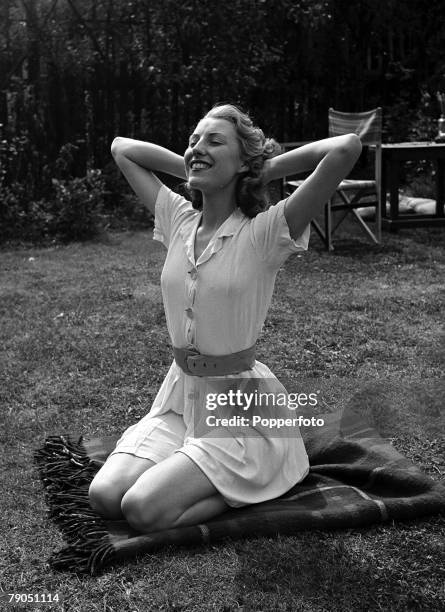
78	208
78	212
67	208
122	207
404	122
12	211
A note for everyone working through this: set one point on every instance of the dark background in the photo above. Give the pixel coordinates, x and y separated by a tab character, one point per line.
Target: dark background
76	73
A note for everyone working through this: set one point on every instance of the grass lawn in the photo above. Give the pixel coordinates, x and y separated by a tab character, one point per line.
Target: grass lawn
84	348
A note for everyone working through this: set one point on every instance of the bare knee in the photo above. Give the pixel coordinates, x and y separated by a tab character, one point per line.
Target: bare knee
142	514
105	498
116	476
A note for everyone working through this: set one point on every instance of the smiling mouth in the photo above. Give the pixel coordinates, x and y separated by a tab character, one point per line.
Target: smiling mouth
199	165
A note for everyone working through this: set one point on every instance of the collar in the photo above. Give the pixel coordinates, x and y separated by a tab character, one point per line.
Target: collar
228	228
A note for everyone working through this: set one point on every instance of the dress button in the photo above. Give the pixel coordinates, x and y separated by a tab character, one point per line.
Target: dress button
189	313
193	274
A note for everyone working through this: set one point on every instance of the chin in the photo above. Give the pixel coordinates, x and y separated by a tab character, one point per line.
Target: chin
195	183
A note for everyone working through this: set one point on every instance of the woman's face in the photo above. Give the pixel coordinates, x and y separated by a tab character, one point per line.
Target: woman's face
212	159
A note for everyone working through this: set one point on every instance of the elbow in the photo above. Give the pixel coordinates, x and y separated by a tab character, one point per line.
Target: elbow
352	146
117	146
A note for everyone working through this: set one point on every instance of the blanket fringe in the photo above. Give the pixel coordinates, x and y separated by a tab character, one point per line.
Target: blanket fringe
66	472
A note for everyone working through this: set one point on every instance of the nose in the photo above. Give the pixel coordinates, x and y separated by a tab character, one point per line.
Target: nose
198	147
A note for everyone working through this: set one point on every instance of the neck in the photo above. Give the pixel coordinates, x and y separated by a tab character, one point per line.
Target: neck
216	208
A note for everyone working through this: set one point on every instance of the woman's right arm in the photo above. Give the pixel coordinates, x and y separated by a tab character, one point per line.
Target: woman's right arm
138	160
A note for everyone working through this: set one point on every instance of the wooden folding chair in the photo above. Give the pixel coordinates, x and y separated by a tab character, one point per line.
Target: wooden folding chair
353	193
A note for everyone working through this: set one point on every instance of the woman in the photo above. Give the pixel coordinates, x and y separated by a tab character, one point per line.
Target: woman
223	255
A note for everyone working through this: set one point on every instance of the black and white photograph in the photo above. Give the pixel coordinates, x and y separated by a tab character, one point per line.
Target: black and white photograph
222	283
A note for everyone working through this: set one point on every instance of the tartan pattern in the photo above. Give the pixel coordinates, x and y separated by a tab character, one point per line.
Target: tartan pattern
356	479
367	125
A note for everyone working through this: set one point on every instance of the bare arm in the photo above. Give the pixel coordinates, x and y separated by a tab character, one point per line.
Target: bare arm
138	161
332	158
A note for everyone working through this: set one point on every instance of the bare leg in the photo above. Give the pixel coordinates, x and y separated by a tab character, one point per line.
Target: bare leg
120	472
173	493
201	511
113	480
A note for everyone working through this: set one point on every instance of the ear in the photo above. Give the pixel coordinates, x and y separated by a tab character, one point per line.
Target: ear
244	167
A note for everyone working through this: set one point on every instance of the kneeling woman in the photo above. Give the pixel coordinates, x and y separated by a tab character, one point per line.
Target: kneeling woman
224	249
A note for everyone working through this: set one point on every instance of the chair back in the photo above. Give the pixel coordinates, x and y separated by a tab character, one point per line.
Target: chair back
367	125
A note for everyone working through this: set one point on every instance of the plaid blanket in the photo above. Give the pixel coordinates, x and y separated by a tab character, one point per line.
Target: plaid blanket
356	479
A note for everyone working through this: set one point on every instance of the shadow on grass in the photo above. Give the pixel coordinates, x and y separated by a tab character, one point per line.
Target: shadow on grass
414	243
363	570
395	406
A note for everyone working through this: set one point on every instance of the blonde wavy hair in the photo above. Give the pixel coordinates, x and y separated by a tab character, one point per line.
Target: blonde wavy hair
255	148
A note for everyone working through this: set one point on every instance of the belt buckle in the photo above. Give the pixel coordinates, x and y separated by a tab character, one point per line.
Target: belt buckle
203	365
191	362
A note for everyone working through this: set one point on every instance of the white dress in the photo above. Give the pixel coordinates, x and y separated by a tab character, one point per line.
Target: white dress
217	305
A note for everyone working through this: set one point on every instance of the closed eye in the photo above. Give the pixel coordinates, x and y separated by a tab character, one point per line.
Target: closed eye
192	143
211	139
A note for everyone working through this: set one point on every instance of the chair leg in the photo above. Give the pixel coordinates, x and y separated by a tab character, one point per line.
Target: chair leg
339	221
319	230
364	226
376	238
328	225
378	218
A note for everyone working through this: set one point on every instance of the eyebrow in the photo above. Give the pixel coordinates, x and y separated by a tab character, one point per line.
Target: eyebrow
211	134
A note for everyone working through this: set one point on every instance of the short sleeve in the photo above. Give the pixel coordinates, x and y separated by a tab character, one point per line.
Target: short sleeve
271	238
171	209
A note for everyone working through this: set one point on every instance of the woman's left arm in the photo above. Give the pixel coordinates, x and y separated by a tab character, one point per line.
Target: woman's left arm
332	158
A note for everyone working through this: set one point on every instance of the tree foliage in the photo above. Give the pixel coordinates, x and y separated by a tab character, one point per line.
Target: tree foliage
78	72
